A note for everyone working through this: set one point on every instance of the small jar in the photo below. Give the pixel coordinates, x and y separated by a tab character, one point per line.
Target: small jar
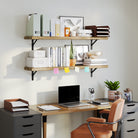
67	31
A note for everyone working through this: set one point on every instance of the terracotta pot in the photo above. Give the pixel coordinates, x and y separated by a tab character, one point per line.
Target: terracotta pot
111	94
72	62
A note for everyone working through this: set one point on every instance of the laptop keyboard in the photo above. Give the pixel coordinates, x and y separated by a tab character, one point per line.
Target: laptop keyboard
75	104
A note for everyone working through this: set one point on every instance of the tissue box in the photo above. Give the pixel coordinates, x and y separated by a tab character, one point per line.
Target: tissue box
37	54
37	62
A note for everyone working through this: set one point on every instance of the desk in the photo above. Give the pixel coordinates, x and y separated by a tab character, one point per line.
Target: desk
65	110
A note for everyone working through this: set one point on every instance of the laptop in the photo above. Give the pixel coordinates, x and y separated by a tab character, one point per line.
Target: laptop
69	96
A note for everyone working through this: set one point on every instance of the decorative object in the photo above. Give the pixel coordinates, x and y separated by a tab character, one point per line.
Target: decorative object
72	58
73	22
92	92
128	94
94	54
117	95
67	31
112	88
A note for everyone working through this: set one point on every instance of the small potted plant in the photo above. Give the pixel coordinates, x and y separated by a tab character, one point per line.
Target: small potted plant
72	59
112	88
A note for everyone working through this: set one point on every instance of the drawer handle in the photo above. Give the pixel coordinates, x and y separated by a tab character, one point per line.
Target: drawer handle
28	125
28	116
131	130
131	120
131	105
28	134
130	112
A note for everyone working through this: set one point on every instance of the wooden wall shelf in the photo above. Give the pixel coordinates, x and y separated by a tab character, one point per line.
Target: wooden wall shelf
64	38
34	39
62	68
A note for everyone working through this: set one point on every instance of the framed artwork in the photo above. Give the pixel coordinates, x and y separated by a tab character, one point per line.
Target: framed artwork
74	22
79	51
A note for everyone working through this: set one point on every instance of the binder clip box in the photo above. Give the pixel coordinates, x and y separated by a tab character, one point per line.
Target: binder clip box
37	54
37	62
15	105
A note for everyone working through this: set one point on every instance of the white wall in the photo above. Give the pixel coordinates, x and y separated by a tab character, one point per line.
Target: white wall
120	50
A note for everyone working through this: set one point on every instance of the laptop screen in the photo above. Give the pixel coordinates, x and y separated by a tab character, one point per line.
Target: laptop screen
69	94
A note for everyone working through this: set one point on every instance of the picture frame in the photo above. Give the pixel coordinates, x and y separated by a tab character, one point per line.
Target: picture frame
73	22
79	51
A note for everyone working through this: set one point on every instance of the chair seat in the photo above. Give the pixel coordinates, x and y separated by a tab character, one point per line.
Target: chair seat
83	132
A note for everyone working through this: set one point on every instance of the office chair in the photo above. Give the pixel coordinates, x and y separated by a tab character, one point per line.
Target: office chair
98	127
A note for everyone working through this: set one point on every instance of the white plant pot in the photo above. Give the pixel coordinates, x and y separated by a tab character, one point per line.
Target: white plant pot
111	94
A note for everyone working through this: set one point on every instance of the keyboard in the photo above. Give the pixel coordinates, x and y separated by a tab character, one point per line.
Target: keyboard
74	104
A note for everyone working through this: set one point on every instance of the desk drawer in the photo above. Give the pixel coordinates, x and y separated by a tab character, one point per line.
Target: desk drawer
28	135
132	133
131	107
30	128
130	115
27	120
130	124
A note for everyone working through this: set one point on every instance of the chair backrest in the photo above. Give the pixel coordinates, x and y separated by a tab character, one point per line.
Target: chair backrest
116	113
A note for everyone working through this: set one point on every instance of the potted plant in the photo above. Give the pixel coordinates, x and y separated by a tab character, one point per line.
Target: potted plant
72	59
112	88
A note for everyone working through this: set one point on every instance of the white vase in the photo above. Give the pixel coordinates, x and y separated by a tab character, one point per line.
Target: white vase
111	94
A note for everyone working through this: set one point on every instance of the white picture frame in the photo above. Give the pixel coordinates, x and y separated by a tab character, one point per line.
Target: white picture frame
73	22
79	51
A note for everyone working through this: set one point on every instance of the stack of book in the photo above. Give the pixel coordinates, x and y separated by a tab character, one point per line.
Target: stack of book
88	62
15	105
99	31
58	56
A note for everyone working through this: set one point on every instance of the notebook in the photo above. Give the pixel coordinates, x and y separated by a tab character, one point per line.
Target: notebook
69	96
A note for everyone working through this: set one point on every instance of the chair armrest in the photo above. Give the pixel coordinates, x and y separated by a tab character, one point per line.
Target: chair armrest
95	119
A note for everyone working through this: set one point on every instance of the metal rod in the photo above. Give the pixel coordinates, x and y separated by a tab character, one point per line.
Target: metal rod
92	43
92	70
33	73
33	43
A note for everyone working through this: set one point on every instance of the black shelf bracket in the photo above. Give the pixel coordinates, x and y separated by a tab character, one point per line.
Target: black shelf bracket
33	43
92	70
92	43
33	73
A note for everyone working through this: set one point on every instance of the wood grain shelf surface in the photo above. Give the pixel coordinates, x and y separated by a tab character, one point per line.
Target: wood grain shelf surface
62	68
64	38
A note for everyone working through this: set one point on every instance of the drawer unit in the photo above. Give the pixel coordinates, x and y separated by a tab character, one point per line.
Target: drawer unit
20	124
130	120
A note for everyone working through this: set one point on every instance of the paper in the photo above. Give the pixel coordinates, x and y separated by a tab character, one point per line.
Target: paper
19	109
77	69
56	71
18	104
66	70
48	107
86	69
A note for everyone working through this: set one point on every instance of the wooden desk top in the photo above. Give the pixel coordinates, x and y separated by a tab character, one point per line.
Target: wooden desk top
65	110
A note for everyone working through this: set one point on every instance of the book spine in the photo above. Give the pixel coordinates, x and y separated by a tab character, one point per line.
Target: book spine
45	27
53	27
51	57
56	56
67	55
61	56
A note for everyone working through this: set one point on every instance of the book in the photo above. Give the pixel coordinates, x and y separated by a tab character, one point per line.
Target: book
48	107
45	25
33	25
52	27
